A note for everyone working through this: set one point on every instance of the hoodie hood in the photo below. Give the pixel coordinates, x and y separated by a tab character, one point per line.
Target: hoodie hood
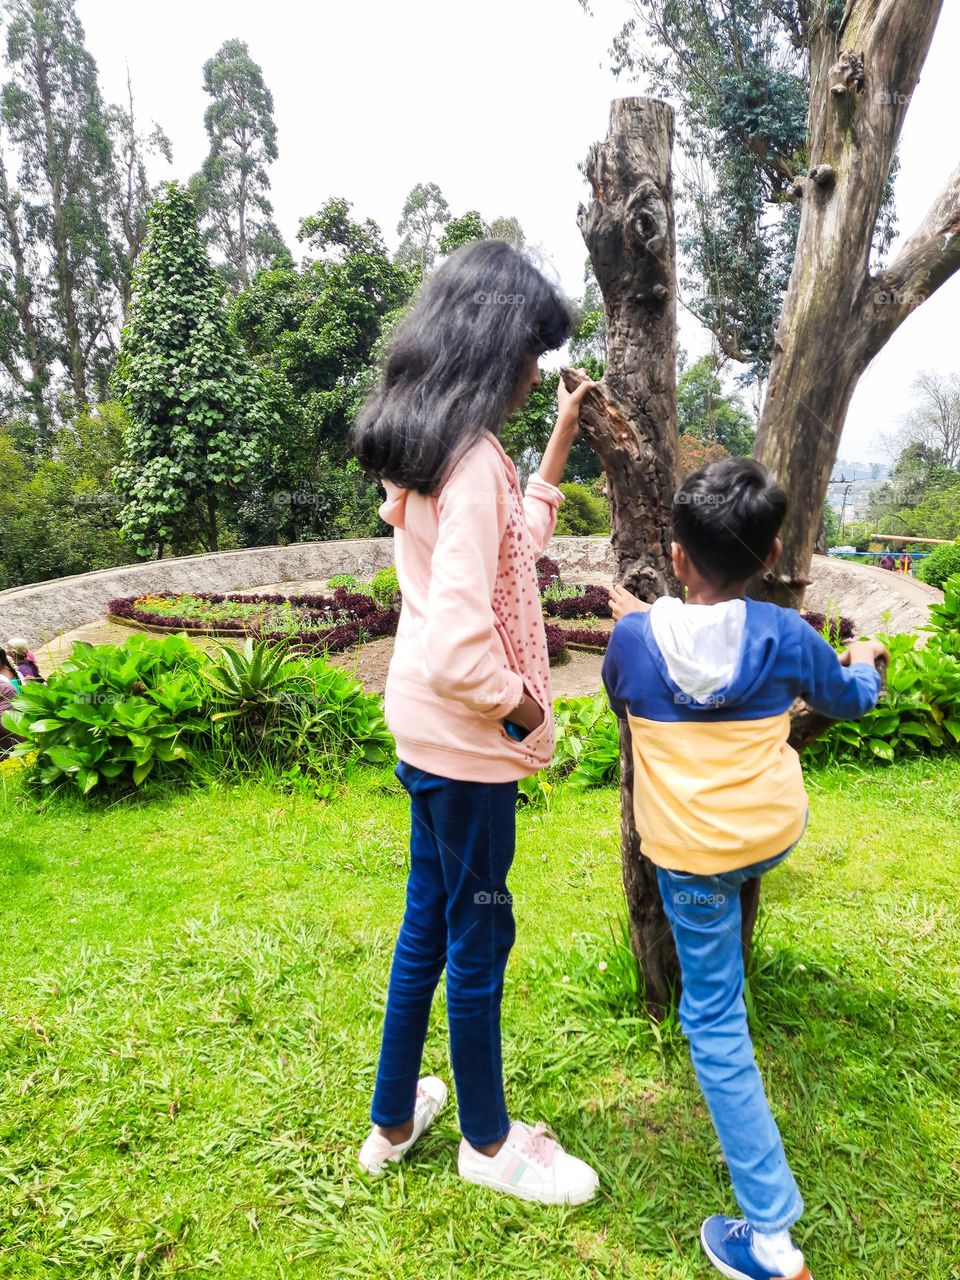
394	510
709	652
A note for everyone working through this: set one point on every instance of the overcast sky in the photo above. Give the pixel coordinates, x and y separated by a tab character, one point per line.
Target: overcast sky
497	104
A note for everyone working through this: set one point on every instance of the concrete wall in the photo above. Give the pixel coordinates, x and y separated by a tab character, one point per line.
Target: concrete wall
873	598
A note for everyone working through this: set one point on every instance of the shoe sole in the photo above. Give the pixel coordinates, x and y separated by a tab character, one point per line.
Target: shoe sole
522	1193
378	1170
732	1273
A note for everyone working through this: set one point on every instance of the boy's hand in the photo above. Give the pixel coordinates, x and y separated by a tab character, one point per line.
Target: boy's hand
623	602
868	651
568	405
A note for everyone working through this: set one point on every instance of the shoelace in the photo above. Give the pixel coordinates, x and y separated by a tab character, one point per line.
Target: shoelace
539	1145
740	1231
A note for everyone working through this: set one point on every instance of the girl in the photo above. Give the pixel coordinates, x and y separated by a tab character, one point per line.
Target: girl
468	691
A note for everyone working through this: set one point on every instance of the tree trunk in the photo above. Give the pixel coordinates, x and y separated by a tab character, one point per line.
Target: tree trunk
212	539
837	315
628	228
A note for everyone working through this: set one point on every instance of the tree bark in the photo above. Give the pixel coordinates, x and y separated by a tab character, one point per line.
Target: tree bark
631	422
836	314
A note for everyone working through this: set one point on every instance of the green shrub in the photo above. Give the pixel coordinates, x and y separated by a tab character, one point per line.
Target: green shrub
583	512
346	580
275	709
385	587
942	563
945	618
112	716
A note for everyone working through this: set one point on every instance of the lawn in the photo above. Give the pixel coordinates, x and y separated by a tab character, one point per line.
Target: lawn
192	990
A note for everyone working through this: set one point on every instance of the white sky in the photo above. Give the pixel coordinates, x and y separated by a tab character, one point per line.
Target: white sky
498	104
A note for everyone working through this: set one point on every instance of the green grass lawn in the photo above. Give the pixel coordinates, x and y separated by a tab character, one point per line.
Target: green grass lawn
192	991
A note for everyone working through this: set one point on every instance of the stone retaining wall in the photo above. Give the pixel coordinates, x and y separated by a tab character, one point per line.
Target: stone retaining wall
875	599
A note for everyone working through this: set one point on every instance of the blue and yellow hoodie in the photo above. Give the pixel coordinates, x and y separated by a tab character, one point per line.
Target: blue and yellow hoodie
707	691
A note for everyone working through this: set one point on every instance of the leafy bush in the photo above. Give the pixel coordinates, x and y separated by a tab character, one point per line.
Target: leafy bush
942	563
945	618
113	716
345	580
920	710
583	513
274	708
386	588
588	748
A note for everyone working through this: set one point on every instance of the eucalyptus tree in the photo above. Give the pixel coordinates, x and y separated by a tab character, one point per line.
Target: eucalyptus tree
233	185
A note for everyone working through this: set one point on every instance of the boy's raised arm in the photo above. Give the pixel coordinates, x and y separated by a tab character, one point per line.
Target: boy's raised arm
843	687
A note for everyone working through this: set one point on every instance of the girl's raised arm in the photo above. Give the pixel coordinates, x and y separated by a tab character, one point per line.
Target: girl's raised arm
542	498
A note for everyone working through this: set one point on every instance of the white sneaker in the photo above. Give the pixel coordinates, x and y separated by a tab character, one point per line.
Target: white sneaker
377	1152
531	1164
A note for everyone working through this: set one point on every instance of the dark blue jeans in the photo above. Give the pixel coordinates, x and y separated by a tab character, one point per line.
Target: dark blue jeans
459	914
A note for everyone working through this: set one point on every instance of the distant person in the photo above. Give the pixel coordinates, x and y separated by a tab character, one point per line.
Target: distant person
888	562
706	685
26	664
9	688
468	691
9	673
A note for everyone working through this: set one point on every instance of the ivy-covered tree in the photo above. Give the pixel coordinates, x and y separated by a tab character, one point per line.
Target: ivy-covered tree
55	118
317	329
199	412
425	214
232	186
704	411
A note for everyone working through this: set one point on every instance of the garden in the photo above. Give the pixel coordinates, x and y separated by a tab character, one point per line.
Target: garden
204	856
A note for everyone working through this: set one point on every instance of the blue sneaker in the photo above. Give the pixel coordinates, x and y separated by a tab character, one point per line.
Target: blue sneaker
728	1243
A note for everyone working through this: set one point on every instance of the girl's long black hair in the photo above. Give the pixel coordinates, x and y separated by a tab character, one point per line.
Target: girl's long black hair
454	364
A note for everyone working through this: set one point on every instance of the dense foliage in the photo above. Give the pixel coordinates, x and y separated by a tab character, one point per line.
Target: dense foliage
198	411
942	563
113	716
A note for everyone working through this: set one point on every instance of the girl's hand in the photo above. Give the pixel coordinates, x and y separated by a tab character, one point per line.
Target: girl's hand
623	602
528	714
568	405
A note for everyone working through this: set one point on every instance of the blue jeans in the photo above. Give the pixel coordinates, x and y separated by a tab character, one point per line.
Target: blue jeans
704	915
459	914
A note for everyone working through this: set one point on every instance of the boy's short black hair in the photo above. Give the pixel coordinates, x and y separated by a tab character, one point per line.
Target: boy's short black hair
726	517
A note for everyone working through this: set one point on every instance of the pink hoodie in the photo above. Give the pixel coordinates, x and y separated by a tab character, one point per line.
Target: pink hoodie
470	637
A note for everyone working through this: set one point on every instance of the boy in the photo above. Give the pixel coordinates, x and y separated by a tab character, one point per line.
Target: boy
706	686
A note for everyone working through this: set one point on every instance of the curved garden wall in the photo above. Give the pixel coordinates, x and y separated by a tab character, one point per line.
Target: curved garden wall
875	599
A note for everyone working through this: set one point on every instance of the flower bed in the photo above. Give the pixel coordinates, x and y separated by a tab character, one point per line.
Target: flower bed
334	622
348	618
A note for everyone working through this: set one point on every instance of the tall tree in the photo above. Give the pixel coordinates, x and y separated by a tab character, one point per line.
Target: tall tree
131	192
233	184
25	339
858	63
316	329
55	118
425	214
705	411
934	420
198	411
